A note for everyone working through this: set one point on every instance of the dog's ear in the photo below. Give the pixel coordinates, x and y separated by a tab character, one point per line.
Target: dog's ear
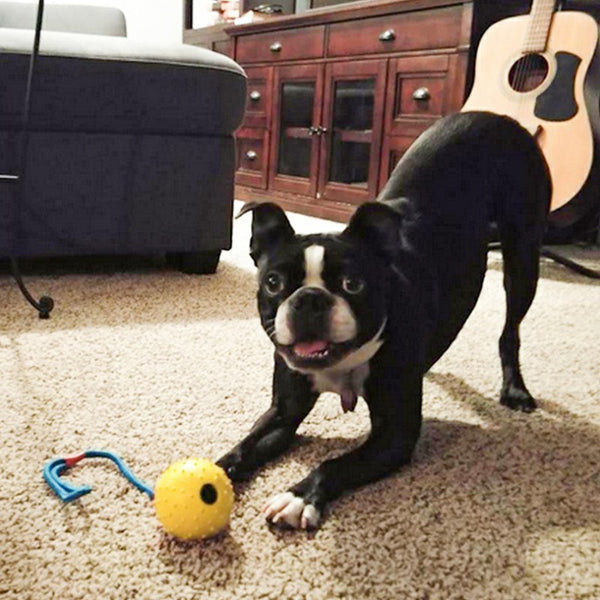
270	228
377	225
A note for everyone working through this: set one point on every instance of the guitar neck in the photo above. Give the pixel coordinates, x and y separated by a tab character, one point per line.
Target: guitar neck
540	19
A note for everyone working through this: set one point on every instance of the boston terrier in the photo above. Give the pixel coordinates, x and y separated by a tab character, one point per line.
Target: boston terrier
366	312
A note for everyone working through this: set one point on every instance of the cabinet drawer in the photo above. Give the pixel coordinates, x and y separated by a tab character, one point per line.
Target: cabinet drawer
417	90
252	153
422	30
421	96
293	44
258	96
420	85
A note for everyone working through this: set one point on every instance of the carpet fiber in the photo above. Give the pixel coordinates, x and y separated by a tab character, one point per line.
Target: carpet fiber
157	366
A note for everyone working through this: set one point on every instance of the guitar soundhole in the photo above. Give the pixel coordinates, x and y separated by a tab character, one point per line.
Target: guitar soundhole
528	73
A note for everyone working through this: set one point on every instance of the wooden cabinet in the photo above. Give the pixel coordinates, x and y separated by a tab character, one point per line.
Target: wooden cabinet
336	96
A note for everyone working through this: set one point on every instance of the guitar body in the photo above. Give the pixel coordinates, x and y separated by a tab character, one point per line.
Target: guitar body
559	103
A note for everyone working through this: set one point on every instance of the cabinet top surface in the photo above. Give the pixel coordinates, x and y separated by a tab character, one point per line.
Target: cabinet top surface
341	12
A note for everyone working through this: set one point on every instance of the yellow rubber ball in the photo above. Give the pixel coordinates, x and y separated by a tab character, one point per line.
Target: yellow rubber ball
193	499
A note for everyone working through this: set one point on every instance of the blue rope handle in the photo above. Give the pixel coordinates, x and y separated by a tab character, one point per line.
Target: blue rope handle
68	492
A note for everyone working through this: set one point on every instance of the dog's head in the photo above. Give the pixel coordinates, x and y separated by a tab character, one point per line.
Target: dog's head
322	298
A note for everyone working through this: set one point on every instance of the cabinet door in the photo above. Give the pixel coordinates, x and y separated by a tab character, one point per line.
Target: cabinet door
296	115
352	118
393	149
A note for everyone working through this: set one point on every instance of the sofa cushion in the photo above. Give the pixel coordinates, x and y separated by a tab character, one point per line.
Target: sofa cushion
114	84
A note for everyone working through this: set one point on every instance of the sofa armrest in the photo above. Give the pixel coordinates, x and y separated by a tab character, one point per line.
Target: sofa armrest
68	18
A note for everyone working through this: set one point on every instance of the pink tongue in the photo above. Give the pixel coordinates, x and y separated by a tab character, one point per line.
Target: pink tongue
308	348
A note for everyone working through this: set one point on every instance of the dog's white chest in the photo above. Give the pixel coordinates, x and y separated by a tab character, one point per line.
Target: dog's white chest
341	381
347	378
348	384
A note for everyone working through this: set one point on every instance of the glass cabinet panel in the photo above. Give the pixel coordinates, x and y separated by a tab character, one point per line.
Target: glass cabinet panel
352	127
295	139
352	119
297	101
353	104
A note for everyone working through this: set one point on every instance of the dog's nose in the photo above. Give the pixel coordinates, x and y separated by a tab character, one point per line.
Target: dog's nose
313	300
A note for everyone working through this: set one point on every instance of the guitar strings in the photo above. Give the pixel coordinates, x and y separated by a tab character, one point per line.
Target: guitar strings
521	69
522	66
539	23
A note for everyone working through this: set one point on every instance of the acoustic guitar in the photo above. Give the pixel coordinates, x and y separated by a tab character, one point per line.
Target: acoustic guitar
543	69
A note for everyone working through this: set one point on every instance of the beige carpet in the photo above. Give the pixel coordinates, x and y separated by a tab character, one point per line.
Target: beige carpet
158	366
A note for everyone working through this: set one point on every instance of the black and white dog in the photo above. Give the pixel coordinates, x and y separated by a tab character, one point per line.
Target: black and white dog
368	311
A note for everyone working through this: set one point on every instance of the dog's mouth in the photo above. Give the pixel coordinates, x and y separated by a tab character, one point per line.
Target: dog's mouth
314	354
316	350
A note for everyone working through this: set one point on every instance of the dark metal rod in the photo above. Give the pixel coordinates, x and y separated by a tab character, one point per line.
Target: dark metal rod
45	304
27	103
567	262
571	264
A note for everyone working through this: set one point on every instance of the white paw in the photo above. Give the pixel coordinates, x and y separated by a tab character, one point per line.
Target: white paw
293	511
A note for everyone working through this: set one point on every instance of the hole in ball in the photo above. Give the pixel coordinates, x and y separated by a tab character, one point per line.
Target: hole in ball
208	493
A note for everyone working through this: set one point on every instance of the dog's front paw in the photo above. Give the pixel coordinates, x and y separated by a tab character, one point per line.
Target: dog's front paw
517	398
289	510
233	465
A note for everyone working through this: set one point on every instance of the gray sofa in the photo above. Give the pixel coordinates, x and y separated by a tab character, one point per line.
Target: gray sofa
131	148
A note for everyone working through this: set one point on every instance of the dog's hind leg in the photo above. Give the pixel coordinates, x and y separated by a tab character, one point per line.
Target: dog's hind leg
521	253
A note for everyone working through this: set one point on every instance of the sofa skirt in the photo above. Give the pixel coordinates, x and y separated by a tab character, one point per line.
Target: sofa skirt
92	193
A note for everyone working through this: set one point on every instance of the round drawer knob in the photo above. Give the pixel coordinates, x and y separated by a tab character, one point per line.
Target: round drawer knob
276	47
388	35
251	155
255	95
421	94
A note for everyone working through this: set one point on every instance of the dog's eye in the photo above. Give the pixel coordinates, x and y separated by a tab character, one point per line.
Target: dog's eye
353	285
274	283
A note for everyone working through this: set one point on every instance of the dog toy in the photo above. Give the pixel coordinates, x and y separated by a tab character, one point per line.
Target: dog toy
193	498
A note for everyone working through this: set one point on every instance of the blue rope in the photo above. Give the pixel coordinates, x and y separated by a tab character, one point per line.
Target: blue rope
68	492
